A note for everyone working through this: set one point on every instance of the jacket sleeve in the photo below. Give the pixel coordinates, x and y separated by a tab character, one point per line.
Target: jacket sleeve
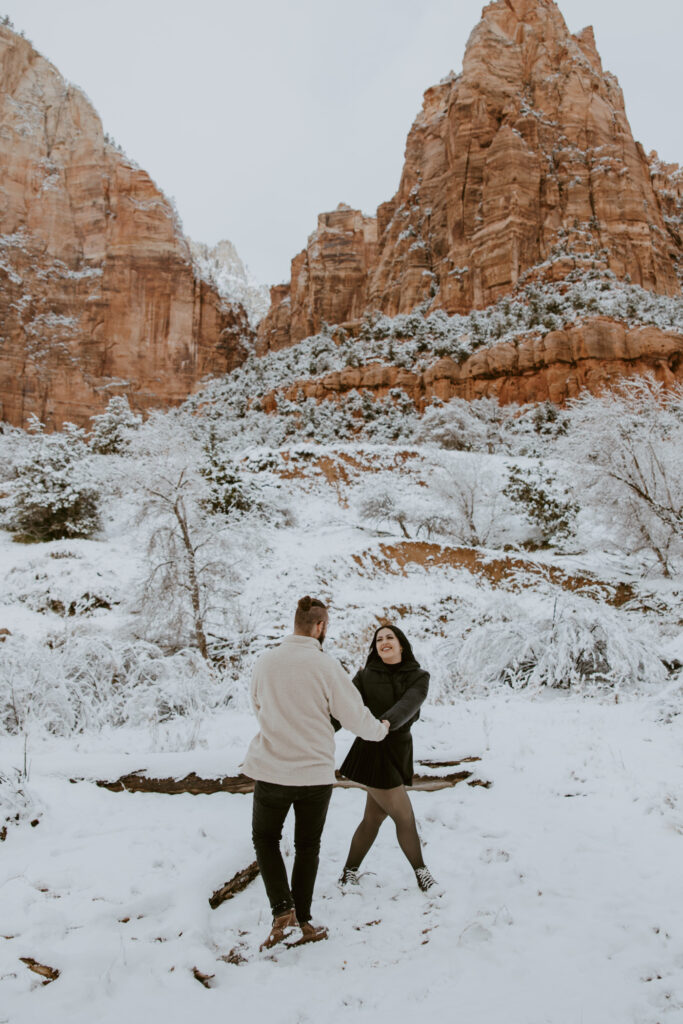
336	724
407	706
346	705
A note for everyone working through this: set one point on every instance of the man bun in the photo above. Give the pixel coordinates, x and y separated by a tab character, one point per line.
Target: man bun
309	612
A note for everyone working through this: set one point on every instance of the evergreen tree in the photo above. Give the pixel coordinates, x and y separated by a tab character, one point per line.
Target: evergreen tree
543	501
53	493
111	429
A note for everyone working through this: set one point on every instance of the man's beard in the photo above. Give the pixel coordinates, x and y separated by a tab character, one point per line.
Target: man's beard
322	636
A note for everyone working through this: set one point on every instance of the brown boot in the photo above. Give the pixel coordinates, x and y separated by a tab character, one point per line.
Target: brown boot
282	928
310	933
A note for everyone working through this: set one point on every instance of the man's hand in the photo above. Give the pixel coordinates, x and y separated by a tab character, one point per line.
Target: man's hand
386	724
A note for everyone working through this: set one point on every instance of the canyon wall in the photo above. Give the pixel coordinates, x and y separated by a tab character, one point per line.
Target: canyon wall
98	295
329	279
521	167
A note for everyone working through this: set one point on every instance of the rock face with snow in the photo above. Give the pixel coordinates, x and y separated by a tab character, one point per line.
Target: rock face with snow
553	368
329	279
98	294
222	268
525	158
521	167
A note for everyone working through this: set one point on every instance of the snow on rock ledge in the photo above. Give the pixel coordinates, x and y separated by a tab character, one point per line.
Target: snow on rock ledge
222	268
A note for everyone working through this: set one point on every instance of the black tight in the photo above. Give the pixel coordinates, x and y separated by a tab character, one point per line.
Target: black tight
382	804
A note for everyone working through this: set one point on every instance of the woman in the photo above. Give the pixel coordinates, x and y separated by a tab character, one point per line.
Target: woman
393	686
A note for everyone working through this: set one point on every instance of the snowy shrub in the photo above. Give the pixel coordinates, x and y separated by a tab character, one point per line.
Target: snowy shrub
64	583
560	640
534	429
544	501
469	493
385	506
84	682
111	429
624	448
18	804
454	426
549	420
395	498
53	492
10	439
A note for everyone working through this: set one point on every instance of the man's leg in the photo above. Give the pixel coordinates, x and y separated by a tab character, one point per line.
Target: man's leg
271	804
310	811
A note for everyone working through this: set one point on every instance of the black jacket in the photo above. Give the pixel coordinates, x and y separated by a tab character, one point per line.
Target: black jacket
395	694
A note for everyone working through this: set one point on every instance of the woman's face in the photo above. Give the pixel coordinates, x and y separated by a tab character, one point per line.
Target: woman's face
388	647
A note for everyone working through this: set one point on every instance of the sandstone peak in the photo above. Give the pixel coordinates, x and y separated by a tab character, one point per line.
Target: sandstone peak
221	267
98	294
523	164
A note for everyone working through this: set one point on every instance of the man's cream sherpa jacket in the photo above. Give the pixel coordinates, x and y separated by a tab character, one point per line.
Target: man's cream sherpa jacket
294	690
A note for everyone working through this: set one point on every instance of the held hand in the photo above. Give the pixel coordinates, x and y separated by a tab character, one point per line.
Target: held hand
386	724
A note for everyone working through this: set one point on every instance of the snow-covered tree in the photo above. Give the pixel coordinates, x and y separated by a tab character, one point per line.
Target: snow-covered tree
190	516
470	494
454	426
111	429
543	500
53	491
625	448
229	493
384	505
459	425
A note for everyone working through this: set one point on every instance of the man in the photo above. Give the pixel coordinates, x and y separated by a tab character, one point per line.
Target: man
295	689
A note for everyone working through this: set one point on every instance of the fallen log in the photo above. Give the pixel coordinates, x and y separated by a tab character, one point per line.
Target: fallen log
193	784
237	883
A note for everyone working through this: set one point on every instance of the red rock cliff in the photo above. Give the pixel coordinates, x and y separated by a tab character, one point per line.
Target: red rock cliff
524	160
97	289
329	279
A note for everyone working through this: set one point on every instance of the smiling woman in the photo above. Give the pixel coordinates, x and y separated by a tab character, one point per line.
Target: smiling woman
393	687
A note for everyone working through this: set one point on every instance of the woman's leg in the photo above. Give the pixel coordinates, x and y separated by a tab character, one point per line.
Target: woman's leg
366	833
396	804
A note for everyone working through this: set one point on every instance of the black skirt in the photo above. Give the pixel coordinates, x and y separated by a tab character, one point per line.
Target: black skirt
382	765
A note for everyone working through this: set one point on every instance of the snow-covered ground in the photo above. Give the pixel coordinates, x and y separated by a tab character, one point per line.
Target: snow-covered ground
562	882
562	879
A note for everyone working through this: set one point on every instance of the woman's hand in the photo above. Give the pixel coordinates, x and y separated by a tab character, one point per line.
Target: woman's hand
386	724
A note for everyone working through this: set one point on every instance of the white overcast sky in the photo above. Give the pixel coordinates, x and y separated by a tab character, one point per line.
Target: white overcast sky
258	114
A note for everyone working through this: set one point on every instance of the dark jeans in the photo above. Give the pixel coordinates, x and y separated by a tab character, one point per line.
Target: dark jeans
271	804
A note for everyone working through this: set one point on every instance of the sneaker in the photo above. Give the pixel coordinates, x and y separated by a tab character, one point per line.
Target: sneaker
349	876
310	933
425	879
283	926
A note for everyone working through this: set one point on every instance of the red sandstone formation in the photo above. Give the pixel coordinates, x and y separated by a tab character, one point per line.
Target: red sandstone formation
555	368
97	290
667	181
329	279
524	160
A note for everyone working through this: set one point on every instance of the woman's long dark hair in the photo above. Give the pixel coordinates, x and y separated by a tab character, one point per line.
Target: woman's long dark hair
408	659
